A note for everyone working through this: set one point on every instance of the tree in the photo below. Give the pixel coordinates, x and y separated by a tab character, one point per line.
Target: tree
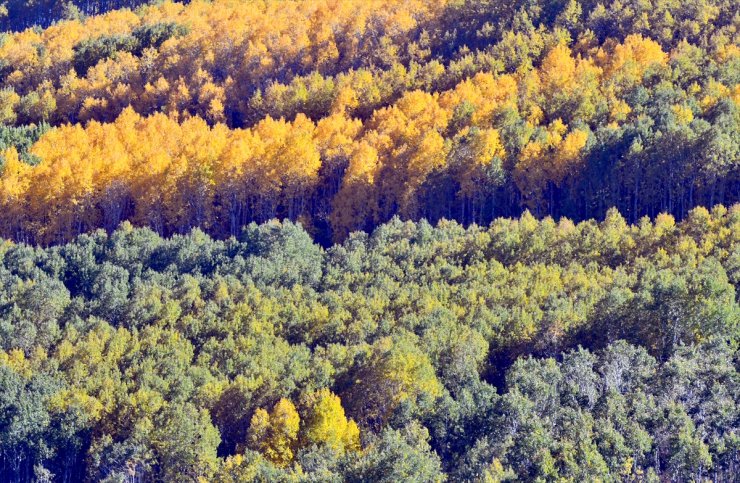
399	373
275	434
185	442
325	423
397	455
24	422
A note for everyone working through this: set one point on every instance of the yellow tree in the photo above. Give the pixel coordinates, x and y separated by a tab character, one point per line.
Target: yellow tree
356	204
275	434
569	87
291	161
326	424
9	101
14	184
235	169
408	139
558	71
548	161
624	64
476	163
484	94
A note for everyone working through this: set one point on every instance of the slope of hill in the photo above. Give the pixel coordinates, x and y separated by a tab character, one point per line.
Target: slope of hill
464	110
399	356
369	240
17	15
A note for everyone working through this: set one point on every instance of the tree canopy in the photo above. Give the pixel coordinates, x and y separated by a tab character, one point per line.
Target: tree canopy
341	115
369	240
523	350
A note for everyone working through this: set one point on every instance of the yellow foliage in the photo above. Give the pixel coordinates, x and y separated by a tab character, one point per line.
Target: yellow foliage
683	114
632	57
170	173
326	423
183	169
275	434
558	70
242	47
549	161
486	93
14	181
619	110
16	360
65	400
8	102
408	139
475	150
409	371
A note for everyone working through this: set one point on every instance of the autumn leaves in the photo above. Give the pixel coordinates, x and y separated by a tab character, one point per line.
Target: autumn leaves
175	175
279	433
348	163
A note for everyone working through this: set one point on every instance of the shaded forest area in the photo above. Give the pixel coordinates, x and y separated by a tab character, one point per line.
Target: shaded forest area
17	15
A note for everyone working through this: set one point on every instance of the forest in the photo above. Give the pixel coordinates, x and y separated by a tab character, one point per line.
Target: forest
525	351
341	115
369	241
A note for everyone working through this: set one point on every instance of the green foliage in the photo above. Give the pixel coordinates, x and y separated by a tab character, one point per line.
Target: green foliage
90	52
220	346
152	36
398	455
21	138
22	14
186	444
645	93
456	351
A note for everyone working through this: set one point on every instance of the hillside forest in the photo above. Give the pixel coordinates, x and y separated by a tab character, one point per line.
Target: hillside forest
369	241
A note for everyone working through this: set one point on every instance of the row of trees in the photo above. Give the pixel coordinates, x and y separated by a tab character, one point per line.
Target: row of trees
415	353
467	110
207	58
227	63
17	15
491	145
